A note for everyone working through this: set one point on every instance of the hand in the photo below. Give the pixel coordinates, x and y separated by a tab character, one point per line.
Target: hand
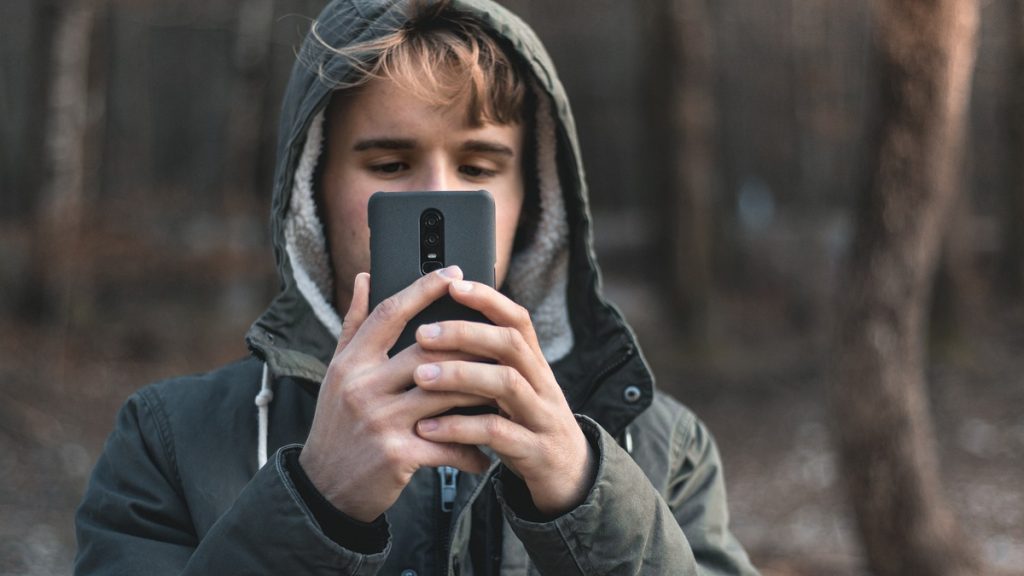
362	449
535	434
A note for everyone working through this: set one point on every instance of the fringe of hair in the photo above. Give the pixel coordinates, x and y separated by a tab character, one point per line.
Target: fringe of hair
442	56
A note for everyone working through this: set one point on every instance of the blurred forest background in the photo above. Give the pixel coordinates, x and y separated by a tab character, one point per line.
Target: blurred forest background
736	153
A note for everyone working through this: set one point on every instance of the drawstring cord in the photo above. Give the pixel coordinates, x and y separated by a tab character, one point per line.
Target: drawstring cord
627	441
263	400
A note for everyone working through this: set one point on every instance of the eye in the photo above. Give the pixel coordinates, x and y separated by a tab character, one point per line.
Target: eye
389	168
475	171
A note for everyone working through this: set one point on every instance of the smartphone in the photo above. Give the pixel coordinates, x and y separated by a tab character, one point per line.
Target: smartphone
416	233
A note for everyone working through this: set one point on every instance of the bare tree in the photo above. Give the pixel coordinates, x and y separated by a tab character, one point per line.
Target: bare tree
249	98
59	213
925	51
694	178
68	115
1013	223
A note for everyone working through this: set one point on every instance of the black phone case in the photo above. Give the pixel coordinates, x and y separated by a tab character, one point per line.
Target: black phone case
395	257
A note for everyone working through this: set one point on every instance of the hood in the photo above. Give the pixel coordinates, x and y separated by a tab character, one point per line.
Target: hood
591	349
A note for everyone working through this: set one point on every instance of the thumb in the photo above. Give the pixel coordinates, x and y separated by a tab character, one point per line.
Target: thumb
358	310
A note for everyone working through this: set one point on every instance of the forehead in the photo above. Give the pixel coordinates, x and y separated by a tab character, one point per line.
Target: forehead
382	108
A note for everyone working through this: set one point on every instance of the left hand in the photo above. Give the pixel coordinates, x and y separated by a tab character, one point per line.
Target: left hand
536	435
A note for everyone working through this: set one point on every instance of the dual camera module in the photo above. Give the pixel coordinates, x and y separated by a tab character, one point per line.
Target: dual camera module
431	240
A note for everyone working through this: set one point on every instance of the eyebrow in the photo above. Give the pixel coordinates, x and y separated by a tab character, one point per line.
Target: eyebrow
385	144
409	144
486	146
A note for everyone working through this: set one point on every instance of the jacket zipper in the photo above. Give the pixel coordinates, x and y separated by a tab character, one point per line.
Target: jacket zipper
448	489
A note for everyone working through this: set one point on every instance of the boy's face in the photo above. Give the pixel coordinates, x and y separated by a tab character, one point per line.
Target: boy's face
382	138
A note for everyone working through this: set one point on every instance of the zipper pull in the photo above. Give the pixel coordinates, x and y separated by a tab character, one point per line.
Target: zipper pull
449	483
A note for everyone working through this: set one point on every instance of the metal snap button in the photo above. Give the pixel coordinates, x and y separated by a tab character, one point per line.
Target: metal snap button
632	394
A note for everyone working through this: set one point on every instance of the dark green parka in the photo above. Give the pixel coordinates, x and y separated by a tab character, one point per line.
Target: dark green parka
181	487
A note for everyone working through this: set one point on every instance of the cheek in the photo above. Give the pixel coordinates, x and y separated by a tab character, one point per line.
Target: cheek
506	220
349	237
507	212
354	232
348	209
353	217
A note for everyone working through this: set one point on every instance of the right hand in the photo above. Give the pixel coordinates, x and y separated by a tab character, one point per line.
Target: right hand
362	448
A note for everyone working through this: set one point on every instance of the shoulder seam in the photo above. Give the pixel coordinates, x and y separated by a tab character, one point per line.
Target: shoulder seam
682	429
154	405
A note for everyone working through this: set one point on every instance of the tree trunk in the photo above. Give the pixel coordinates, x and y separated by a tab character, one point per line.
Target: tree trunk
242	209
958	297
249	102
1013	224
68	115
56	245
694	178
925	52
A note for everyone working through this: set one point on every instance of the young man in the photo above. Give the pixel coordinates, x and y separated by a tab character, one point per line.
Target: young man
348	468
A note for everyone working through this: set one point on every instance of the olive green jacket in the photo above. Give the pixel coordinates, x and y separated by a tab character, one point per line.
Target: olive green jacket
179	490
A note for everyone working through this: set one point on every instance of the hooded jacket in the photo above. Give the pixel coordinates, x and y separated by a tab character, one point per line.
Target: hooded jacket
195	479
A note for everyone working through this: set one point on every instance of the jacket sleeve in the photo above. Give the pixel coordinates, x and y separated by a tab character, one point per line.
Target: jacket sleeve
134	520
625	526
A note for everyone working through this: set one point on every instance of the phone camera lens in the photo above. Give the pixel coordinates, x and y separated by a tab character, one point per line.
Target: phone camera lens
432	219
432	239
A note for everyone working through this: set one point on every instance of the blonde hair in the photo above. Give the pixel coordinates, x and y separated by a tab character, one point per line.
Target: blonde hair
444	57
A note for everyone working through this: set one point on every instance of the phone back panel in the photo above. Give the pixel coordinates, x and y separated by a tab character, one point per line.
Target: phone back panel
395	254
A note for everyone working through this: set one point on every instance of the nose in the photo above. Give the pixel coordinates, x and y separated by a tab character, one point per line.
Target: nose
441	172
436	176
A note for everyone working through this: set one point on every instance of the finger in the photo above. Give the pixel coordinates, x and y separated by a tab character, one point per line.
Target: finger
416	404
464	457
503	385
498	308
503	344
507	439
386	321
396	374
358	309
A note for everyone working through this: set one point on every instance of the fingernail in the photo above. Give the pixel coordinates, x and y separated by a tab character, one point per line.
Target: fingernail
451	272
428	371
428	425
430	331
463	286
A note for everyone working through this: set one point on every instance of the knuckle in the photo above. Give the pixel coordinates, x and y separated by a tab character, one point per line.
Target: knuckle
434	279
452	426
335	373
351	392
348	327
389	310
375	423
514	340
452	371
351	399
521	315
392	450
457	330
511	380
493	427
